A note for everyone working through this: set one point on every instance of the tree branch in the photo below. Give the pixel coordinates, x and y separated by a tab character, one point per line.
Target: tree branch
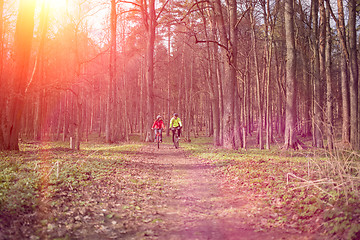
133	3
242	16
162	9
341	34
190	11
210	41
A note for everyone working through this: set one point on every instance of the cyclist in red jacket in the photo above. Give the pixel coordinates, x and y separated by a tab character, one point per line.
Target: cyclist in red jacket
158	126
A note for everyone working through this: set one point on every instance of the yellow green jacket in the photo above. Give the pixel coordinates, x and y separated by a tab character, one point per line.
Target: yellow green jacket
175	122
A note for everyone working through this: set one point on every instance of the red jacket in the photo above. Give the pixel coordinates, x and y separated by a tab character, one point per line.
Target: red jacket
158	124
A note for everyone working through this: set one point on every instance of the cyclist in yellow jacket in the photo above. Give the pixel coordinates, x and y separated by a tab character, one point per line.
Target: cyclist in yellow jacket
175	124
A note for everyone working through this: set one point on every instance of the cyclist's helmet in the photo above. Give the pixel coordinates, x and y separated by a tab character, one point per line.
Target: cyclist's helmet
175	115
158	117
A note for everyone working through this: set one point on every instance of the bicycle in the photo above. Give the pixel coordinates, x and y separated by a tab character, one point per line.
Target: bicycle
158	138
176	137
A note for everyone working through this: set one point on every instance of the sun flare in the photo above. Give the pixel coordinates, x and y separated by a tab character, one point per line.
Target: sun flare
56	5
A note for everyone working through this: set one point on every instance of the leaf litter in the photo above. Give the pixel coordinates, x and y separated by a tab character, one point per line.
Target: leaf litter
139	194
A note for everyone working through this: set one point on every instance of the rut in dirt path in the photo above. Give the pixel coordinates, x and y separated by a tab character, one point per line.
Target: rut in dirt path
200	207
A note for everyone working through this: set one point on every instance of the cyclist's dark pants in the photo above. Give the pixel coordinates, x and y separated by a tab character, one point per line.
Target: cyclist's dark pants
173	131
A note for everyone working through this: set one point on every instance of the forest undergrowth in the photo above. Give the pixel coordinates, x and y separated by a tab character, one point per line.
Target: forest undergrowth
307	189
50	192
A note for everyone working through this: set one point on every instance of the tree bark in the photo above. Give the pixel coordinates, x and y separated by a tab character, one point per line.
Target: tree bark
39	69
213	80
290	131
317	99
149	19
168	82
230	82
340	23
229	57
268	52
109	131
258	90
354	133
344	76
329	92
2	80
23	42
345	100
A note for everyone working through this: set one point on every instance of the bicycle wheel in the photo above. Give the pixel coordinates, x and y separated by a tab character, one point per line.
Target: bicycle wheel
176	141
158	140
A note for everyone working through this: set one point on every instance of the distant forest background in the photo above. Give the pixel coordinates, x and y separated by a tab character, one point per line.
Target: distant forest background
284	70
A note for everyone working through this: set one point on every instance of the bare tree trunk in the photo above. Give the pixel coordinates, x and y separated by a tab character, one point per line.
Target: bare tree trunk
344	76
247	97
66	116
39	68
238	141
1	40
268	28
112	72
322	48
86	119
150	27
182	80
78	118
317	101
126	111
281	69
307	94
60	117
23	42
215	101
219	74
101	112
188	95
290	130
227	83
213	80
340	23
329	92
304	53
217	104
168	82
258	90
230	81
345	62
2	79
354	133
268	123
322	80
345	101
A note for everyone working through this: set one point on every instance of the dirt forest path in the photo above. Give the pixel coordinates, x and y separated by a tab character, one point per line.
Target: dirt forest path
200	206
148	193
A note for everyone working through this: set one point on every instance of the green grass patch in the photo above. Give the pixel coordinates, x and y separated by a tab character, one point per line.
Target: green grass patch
46	184
307	189
19	188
